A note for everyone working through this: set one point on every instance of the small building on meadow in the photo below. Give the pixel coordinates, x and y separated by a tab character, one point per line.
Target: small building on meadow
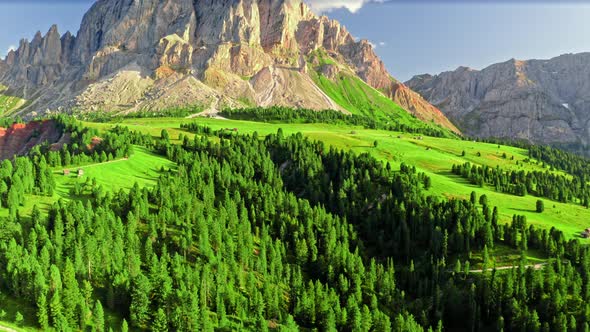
66	172
80	172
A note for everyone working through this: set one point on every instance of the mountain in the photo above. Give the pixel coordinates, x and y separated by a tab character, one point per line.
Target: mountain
134	55
542	101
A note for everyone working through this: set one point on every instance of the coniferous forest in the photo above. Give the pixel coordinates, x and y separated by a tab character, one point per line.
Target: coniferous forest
294	165
275	233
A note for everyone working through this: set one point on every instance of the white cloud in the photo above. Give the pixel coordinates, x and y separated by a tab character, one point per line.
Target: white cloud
324	6
375	45
10	48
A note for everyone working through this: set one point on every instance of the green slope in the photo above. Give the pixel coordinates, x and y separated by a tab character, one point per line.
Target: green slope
356	96
8	103
143	168
434	156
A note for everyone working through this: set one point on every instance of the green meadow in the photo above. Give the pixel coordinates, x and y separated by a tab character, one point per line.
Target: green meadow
143	168
431	155
8	103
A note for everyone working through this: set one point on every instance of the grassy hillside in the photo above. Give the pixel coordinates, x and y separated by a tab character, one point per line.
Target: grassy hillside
143	168
434	156
356	96
8	103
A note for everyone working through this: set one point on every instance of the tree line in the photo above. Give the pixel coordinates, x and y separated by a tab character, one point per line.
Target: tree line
281	114
546	184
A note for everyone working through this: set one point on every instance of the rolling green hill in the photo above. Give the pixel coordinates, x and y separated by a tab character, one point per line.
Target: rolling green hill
433	157
143	167
356	96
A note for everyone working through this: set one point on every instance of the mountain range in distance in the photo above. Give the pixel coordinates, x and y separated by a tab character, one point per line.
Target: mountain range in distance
540	101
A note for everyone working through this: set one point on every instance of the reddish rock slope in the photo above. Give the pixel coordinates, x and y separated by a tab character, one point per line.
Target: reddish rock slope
20	138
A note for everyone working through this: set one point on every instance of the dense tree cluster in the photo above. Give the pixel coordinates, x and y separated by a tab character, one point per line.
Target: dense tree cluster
546	184
280	114
173	112
23	176
569	162
252	233
86	146
196	128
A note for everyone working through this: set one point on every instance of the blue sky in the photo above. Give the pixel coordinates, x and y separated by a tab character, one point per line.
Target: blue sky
23	18
412	37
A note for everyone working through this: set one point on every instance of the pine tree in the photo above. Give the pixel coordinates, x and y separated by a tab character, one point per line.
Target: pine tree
164	135
98	317
56	312
540	206
19	319
160	323
140	301
483	200
427	183
289	325
473	198
70	294
42	315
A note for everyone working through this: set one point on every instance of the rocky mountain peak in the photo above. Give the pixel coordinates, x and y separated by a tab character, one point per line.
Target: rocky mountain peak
210	52
39	62
543	101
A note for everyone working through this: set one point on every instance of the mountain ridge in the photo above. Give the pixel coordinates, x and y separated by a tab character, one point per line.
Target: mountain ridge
541	101
130	56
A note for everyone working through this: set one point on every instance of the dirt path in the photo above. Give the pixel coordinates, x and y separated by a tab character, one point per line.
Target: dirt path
534	266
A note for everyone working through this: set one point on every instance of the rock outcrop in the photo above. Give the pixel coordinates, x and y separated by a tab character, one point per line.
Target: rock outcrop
20	138
130	55
542	101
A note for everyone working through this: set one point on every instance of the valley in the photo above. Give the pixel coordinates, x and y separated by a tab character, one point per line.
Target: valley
432	155
252	165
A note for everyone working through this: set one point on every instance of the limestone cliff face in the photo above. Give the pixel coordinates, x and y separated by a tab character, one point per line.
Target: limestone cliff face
543	101
38	63
129	54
